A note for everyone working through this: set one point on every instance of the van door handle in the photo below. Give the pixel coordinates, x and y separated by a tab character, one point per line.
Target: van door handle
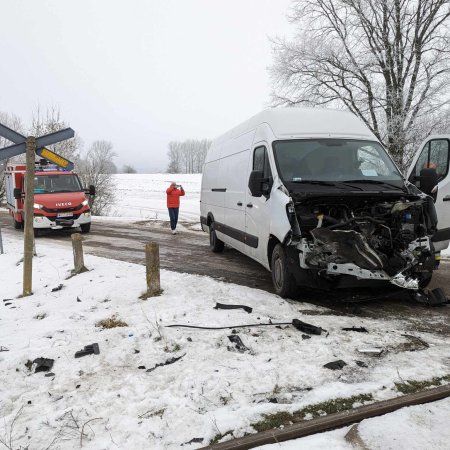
446	198
239	203
249	205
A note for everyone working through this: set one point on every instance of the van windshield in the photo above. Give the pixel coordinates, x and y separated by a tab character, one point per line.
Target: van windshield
334	160
46	184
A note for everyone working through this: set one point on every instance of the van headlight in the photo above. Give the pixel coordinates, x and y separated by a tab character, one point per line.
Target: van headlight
37	206
85	202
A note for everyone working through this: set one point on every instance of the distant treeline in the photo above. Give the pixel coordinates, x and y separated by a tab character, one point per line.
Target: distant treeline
187	156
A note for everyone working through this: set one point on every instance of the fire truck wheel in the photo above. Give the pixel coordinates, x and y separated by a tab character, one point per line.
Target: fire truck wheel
85	228
18	225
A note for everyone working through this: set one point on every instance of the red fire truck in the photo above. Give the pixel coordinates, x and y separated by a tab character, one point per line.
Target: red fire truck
59	198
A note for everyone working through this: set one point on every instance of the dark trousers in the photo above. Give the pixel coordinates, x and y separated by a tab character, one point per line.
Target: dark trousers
173	214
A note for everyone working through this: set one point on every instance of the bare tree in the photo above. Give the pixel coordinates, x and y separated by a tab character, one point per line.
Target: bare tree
187	156
387	61
15	123
50	122
128	169
96	168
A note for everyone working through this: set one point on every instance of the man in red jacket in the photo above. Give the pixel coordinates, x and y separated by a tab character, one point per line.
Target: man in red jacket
174	193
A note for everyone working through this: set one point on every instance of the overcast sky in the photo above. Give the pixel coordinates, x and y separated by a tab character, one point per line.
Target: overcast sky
139	73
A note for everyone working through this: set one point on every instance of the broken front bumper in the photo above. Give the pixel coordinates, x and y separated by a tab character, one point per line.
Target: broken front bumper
375	274
398	280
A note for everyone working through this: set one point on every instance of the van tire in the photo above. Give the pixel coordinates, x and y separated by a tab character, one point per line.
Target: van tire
18	225
282	278
215	244
85	228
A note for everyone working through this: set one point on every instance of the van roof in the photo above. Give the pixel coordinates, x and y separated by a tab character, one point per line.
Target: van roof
303	123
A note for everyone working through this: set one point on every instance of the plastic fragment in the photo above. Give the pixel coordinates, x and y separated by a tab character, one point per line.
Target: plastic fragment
335	365
238	344
306	327
92	349
223	306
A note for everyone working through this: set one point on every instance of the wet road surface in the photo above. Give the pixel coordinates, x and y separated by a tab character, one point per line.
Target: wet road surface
189	252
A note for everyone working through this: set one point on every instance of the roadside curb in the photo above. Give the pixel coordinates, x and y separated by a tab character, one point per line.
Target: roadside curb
332	421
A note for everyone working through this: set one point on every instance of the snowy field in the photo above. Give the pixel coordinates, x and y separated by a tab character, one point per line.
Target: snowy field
126	397
143	196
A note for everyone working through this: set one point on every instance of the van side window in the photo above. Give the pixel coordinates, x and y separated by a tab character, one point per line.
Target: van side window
435	154
261	161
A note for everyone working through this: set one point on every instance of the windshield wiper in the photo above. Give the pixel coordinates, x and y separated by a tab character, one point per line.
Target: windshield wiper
322	183
374	182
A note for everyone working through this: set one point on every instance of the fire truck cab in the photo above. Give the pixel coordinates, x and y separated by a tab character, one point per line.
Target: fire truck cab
59	198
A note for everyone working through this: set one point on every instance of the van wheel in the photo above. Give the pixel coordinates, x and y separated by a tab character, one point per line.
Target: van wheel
282	279
215	244
85	228
18	225
36	232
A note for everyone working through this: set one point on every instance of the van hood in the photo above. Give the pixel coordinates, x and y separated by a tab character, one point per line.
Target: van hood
60	200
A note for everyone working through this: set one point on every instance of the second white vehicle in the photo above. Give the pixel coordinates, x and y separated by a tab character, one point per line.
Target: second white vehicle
314	197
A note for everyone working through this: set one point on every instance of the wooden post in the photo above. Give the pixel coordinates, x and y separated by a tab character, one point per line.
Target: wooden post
78	257
152	270
29	232
1	242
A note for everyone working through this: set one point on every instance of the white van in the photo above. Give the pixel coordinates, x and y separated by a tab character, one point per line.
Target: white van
313	196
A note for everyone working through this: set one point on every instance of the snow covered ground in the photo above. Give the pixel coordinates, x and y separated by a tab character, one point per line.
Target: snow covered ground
143	196
211	390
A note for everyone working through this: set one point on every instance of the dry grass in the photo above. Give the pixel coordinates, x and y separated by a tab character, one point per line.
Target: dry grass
111	322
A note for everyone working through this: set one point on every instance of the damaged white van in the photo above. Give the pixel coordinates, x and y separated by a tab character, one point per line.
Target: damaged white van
314	197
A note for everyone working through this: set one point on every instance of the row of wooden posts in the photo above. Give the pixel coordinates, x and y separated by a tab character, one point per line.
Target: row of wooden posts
151	262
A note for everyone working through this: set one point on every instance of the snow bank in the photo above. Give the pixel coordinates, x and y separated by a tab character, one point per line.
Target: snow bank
211	390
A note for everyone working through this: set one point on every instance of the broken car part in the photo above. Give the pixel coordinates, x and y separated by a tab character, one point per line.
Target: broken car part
223	306
43	364
238	344
371	351
92	349
377	238
435	297
335	365
357	329
307	327
169	361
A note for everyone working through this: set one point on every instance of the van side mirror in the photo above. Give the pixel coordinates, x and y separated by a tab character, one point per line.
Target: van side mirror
255	183
428	181
92	190
17	193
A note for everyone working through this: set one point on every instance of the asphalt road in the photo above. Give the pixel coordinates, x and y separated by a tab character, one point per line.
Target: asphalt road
189	252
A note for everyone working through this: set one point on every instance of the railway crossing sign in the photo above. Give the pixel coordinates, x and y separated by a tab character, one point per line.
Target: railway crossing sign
32	146
41	142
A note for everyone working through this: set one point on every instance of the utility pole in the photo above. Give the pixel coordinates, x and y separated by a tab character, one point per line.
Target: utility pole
28	231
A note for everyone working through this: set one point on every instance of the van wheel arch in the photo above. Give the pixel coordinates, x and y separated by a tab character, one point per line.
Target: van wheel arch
273	241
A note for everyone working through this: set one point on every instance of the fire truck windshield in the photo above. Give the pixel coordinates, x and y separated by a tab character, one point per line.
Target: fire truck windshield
48	184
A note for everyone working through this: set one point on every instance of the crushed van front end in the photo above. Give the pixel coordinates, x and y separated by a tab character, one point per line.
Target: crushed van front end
364	240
